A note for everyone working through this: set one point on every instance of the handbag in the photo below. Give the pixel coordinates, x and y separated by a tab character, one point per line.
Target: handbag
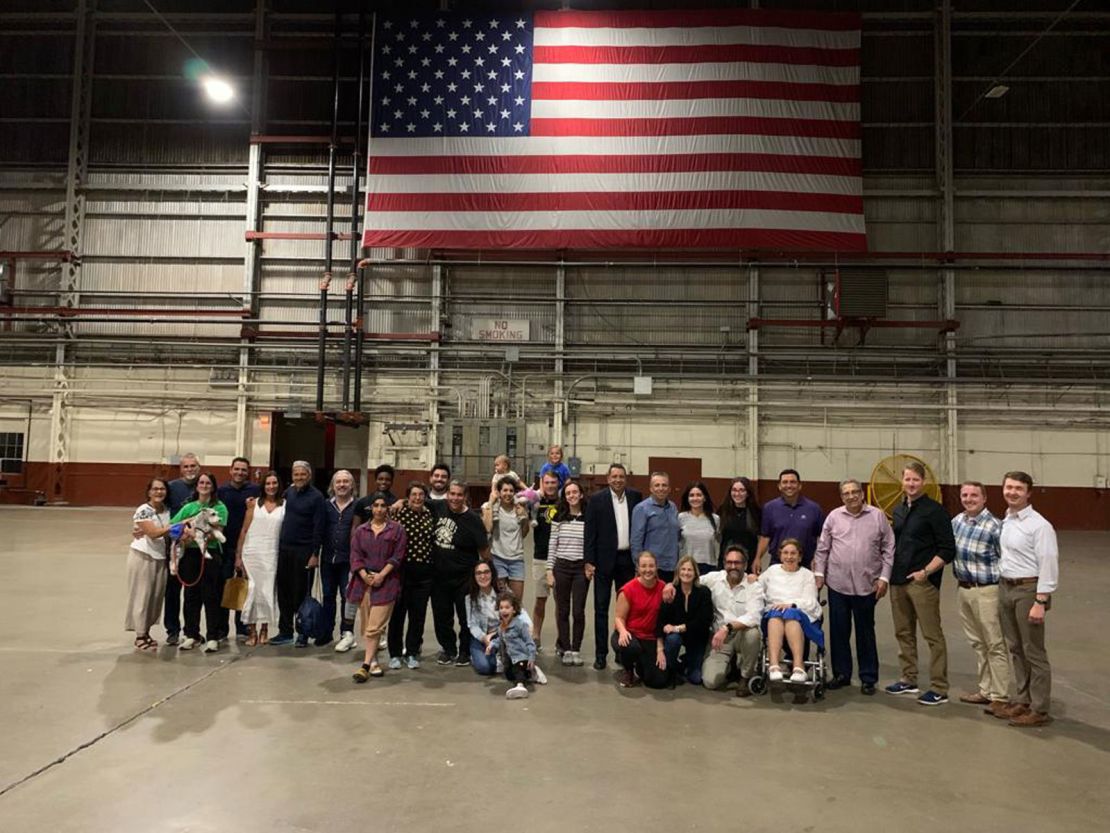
309	620
235	593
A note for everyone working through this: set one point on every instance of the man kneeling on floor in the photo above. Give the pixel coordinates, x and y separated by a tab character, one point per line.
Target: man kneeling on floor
737	604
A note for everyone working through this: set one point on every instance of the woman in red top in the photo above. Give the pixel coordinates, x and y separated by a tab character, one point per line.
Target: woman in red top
634	636
378	549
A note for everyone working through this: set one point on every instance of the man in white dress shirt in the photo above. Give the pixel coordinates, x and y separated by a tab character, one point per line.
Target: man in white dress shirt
737	607
1030	569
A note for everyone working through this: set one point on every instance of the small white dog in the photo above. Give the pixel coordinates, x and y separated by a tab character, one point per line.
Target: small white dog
206	525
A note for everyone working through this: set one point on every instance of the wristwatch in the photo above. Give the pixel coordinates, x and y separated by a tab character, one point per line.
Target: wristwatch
1040	601
728	626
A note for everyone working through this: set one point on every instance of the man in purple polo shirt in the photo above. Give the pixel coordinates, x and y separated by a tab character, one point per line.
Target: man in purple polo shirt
789	516
854	556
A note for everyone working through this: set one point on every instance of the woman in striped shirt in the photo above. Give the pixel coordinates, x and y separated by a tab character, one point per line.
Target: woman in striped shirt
566	572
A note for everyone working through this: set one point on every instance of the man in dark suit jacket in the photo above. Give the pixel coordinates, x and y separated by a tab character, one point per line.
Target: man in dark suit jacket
609	561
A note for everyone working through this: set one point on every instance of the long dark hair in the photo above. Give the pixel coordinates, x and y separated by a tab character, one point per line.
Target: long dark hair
476	591
562	512
279	498
215	486
707	508
729	510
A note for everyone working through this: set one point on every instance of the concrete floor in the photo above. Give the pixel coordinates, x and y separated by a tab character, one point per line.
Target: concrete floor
99	738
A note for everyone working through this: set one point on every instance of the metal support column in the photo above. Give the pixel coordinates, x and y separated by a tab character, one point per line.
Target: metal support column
753	373
253	217
946	229
560	346
80	107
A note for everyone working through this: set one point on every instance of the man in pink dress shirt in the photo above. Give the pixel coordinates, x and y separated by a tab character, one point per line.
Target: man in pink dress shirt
854	556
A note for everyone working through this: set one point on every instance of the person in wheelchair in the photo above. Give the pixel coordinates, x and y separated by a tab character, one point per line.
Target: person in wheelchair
792	611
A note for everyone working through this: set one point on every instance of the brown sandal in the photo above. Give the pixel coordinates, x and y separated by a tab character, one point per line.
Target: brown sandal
252	640
145	643
264	636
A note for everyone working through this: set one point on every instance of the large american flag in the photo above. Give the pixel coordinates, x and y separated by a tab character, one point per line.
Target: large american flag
726	129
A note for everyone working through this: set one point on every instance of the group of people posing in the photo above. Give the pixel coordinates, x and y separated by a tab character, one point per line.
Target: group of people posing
694	602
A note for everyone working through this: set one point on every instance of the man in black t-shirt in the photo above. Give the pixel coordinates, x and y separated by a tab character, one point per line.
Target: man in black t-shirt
458	542
546	508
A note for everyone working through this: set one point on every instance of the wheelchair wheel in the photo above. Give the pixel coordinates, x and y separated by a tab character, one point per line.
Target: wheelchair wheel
819	691
757	685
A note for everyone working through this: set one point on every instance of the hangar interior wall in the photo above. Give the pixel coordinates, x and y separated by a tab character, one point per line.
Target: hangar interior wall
138	322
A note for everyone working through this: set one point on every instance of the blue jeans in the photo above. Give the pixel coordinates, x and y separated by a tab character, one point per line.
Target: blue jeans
695	653
334	578
484	664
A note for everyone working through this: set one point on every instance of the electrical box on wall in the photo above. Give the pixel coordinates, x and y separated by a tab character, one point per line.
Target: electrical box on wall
469	446
858	293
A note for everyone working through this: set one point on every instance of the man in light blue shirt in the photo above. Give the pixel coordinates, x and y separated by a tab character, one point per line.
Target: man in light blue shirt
655	526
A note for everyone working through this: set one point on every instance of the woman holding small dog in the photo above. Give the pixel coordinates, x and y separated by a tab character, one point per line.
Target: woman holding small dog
199	572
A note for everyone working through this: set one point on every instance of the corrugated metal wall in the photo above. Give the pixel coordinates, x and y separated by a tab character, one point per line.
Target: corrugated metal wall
166	204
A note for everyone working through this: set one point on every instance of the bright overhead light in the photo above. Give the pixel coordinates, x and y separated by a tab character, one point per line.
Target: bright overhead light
997	91
218	89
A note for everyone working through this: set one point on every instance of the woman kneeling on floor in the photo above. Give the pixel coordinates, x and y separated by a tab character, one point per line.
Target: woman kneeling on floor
793	612
512	641
684	622
634	642
483	619
377	551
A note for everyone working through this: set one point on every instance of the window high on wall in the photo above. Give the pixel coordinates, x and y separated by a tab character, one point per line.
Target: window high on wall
11	452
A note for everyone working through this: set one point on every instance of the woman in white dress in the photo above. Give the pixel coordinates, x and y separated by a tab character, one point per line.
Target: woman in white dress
258	555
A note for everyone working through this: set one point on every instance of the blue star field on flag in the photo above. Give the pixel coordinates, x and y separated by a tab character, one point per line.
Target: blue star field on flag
451	75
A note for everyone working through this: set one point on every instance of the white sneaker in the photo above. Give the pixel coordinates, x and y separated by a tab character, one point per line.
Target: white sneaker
798	675
346	642
211	646
577	657
774	674
394	663
413	662
188	643
538	675
568	658
517	692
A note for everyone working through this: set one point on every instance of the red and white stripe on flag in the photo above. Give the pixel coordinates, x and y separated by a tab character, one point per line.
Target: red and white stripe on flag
723	129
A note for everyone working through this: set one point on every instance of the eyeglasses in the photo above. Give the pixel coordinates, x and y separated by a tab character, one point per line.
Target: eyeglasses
483	572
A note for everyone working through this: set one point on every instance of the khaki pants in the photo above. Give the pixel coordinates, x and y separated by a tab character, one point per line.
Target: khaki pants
983	629
744	645
1032	675
375	619
913	604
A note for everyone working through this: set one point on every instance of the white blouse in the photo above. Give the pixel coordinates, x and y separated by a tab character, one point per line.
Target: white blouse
798	588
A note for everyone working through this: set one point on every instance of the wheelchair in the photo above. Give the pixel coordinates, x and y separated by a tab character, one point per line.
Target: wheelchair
816	669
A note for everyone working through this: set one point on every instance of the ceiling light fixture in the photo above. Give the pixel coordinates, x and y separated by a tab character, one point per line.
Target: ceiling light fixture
218	90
